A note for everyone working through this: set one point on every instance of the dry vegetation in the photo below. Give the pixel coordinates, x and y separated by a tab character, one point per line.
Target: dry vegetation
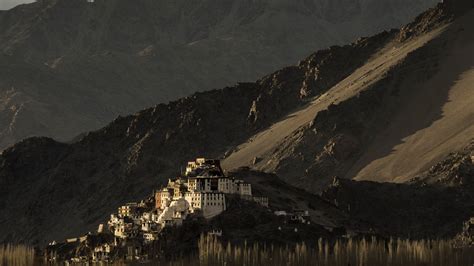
20	255
341	252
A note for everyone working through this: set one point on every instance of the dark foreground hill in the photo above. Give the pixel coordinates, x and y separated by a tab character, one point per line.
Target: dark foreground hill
326	111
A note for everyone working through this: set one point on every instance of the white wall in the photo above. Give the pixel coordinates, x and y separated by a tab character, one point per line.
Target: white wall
213	204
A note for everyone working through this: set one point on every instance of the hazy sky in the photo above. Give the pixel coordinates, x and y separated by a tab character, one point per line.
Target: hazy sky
7	4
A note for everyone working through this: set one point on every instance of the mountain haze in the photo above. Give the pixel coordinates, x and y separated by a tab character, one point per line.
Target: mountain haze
68	66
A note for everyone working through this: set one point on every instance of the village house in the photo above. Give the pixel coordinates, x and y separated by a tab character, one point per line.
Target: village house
128	210
102	252
123	227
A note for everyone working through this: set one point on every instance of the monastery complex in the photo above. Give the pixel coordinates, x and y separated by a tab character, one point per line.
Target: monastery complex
201	191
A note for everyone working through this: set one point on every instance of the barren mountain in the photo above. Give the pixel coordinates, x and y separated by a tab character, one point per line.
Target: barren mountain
307	123
396	115
68	66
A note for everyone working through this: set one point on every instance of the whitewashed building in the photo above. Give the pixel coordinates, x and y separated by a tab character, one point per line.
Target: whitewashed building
204	187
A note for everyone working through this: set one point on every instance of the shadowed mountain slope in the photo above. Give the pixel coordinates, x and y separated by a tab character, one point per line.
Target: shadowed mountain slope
68	66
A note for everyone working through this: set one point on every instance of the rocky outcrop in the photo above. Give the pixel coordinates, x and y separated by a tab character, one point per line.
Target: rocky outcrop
457	169
293	86
426	22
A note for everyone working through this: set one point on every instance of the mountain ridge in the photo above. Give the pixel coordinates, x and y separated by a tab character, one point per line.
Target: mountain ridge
69	60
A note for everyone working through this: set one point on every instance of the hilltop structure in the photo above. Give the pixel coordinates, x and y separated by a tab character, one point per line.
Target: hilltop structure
201	191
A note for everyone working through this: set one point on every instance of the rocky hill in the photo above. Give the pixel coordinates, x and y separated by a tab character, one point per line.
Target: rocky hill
68	66
344	97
